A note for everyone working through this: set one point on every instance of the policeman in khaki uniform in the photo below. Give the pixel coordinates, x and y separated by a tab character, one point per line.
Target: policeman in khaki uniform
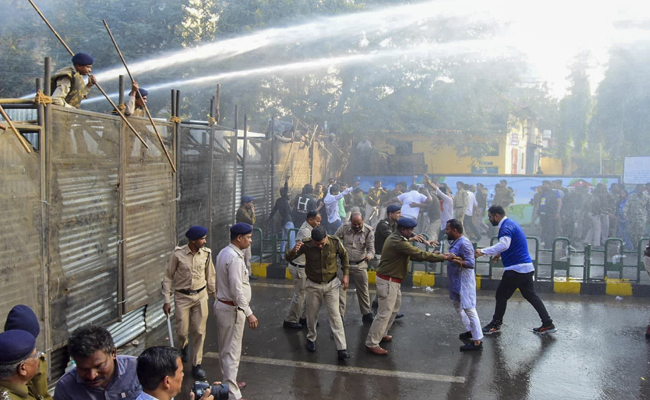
359	241
189	274
68	85
393	267
322	283
232	307
19	364
137	100
22	317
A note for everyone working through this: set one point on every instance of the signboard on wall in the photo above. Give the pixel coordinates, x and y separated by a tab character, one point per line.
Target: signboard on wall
636	170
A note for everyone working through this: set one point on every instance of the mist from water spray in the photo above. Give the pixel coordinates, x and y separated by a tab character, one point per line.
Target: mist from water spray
478	49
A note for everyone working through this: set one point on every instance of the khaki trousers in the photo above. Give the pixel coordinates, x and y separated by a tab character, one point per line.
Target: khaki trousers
359	274
297	309
191	318
389	295
230	332
316	294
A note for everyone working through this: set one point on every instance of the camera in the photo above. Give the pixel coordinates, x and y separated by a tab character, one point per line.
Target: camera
220	392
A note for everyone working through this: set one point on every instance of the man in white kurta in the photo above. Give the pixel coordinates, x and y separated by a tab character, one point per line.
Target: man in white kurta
232	307
462	285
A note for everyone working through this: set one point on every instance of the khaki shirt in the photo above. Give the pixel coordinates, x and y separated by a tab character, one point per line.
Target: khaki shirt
321	266
461	201
187	271
245	215
69	88
14	391
303	233
358	244
232	278
131	109
40	379
397	254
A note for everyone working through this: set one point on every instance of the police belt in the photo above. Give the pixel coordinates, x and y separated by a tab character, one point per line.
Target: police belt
190	292
357	262
230	303
334	277
389	278
296	265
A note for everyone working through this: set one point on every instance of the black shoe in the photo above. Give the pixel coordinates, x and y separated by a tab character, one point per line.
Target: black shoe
471	347
399	315
544	329
185	354
303	321
252	277
465	336
492	327
367	318
311	346
198	373
291	325
343	354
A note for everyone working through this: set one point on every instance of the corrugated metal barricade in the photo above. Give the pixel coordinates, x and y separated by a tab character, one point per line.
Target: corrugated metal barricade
257	178
207	180
21	261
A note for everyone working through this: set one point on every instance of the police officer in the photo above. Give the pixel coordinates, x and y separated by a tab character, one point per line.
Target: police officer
22	317
68	83
358	239
246	214
393	267
297	317
189	274
137	101
232	307
323	284
19	363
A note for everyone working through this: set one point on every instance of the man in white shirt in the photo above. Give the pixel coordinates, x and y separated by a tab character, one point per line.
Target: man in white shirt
160	372
472	207
232	307
331	201
412	201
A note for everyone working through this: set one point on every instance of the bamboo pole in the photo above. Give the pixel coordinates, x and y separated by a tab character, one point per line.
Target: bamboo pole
96	84
20	137
137	93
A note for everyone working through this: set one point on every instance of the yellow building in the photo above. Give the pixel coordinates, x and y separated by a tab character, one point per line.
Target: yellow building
516	151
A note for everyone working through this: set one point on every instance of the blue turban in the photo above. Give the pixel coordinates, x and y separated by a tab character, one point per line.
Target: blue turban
83	59
407	222
16	345
196	232
241	228
247	199
143	92
393	207
22	317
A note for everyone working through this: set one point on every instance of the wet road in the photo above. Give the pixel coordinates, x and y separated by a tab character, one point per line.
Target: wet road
599	352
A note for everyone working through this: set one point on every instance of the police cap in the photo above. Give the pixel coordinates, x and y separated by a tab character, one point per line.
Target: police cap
16	345
143	92
22	317
407	222
392	208
196	232
241	228
83	59
247	199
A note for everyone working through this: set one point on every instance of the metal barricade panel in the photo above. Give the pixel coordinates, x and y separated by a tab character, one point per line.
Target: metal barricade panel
149	206
84	152
224	174
20	237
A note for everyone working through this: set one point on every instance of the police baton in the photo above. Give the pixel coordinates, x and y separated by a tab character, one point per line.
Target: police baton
169	331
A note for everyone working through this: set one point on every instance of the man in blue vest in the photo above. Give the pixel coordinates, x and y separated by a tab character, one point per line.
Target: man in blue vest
512	248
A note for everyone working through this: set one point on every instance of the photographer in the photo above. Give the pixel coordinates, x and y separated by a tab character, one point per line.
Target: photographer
160	371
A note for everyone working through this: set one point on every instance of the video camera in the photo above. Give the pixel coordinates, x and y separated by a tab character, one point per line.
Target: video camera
220	392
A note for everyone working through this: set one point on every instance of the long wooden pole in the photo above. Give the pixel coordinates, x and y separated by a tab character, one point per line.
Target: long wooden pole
20	137
137	93
96	84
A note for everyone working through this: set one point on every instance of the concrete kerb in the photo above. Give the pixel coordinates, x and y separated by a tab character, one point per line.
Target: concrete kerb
612	287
